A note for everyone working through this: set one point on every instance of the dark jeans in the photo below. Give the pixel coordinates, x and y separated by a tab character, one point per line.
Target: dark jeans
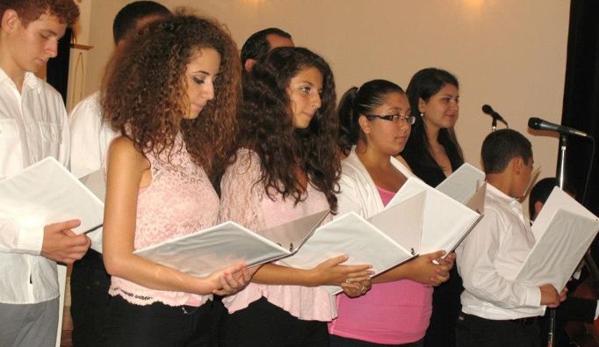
446	309
263	324
89	300
158	325
473	331
338	341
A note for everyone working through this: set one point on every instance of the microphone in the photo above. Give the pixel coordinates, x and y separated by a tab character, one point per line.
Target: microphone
489	110
539	124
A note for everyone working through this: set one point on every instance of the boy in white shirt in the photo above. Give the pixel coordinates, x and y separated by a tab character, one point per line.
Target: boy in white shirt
496	310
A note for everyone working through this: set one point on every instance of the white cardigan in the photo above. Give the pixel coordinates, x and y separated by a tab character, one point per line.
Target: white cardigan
358	191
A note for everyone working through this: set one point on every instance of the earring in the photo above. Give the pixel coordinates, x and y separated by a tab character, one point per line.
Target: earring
421	115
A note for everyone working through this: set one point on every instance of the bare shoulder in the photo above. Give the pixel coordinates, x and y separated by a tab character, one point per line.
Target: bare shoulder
123	152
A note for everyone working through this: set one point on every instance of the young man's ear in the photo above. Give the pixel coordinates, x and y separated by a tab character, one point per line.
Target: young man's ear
10	20
518	164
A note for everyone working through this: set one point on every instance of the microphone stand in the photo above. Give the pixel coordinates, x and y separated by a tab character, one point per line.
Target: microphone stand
561	172
494	124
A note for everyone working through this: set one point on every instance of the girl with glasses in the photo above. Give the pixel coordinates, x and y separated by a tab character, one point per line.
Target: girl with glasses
375	125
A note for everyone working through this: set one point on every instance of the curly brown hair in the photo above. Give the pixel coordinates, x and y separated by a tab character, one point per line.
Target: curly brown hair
30	10
267	127
145	89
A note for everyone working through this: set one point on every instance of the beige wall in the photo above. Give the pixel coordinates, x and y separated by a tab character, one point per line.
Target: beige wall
510	54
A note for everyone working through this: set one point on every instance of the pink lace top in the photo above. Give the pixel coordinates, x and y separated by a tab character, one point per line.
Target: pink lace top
390	313
179	201
244	201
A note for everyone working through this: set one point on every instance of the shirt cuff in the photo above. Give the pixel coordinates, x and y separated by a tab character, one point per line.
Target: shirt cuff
30	239
533	297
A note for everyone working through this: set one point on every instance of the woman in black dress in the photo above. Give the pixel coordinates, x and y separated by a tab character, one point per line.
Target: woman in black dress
433	153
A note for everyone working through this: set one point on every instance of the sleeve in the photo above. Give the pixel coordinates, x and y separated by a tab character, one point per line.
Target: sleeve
85	127
476	257
64	153
15	238
241	192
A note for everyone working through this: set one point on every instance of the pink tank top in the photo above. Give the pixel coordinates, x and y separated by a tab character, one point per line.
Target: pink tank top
390	313
179	201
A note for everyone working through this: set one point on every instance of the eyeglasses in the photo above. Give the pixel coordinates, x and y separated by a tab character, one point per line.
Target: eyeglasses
395	118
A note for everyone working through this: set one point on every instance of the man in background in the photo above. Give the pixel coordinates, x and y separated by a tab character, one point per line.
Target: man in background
573	308
260	43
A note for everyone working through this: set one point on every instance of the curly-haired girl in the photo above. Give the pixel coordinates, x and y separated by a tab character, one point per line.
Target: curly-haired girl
172	92
286	167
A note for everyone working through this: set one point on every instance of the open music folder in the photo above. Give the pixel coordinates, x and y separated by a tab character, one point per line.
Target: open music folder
377	241
564	230
395	235
445	221
215	248
46	192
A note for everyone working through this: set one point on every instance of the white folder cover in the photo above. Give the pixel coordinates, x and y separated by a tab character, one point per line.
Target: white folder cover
445	222
564	230
215	248
378	242
96	183
45	193
463	183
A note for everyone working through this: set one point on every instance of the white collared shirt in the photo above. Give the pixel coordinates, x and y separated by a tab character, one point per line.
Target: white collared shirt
490	258
33	125
90	138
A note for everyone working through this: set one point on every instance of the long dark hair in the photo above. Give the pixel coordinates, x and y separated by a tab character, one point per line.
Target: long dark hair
266	126
424	84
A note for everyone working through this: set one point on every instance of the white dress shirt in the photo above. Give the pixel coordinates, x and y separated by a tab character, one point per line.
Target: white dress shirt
33	125
90	138
489	259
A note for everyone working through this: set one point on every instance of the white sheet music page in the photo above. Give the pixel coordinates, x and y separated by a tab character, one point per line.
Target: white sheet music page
215	248
559	250
445	220
46	192
354	236
463	183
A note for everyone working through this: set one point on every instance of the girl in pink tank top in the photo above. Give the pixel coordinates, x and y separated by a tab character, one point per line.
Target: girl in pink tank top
176	121
376	121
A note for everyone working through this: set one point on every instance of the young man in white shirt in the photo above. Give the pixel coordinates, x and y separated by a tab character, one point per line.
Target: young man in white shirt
33	125
90	136
496	310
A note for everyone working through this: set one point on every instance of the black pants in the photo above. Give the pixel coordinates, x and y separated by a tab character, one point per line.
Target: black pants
263	324
89	300
446	309
338	341
158	325
473	331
